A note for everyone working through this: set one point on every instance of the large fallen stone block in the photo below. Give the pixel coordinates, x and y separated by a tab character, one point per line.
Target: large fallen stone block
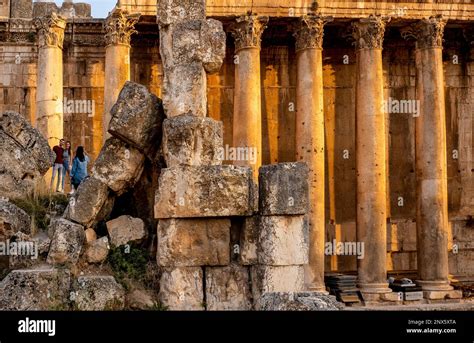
67	242
25	156
30	251
283	189
206	191
86	204
125	229
12	220
98	293
283	241
249	241
181	289
137	117
40	289
193	242
228	288
119	165
298	301
270	279
97	250
192	140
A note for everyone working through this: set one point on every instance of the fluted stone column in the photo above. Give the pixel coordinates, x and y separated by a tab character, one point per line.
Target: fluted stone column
49	92
119	27
371	155
431	157
310	137
247	128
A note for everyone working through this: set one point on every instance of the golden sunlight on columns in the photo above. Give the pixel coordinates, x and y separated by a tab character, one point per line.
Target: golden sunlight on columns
247	127
431	159
310	138
371	155
119	27
49	93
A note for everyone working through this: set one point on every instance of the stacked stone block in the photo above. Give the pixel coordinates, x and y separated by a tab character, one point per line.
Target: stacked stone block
281	240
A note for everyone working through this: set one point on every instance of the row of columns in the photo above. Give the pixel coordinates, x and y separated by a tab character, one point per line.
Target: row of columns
368	33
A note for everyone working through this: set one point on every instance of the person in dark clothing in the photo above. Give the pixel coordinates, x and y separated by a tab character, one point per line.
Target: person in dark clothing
58	165
79	167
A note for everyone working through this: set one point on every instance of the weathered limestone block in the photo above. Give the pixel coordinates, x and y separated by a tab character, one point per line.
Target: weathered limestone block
193	242
12	220
206	191
90	235
86	204
140	299
192	140
119	165
298	301
181	289
98	293
175	11
98	250
283	189
228	288
283	241
213	45
249	241
184	90
31	250
42	289
67	242
269	279
125	229
137	117
24	154
41	9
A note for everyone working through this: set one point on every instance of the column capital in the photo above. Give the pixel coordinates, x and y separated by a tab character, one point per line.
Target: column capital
119	27
50	30
309	31
247	31
427	32
368	33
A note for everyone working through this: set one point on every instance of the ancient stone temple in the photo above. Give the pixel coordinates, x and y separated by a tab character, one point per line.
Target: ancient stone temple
269	144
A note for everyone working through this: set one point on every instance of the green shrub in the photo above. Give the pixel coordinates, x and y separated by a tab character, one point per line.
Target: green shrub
128	265
38	207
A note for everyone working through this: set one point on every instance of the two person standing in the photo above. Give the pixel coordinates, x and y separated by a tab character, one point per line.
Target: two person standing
62	166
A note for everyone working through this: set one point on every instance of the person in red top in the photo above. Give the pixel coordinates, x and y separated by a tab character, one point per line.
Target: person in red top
58	166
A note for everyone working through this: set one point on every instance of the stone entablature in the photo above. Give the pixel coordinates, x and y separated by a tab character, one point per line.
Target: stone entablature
408	9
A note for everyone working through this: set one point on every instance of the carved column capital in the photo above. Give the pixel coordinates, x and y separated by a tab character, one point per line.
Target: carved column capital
368	33
119	27
247	31
427	32
50	30
309	31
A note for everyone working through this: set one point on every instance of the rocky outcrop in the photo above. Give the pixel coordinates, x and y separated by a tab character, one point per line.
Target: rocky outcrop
24	154
97	250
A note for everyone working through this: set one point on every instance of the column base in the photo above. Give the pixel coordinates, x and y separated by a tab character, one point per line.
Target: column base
434	285
374	288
